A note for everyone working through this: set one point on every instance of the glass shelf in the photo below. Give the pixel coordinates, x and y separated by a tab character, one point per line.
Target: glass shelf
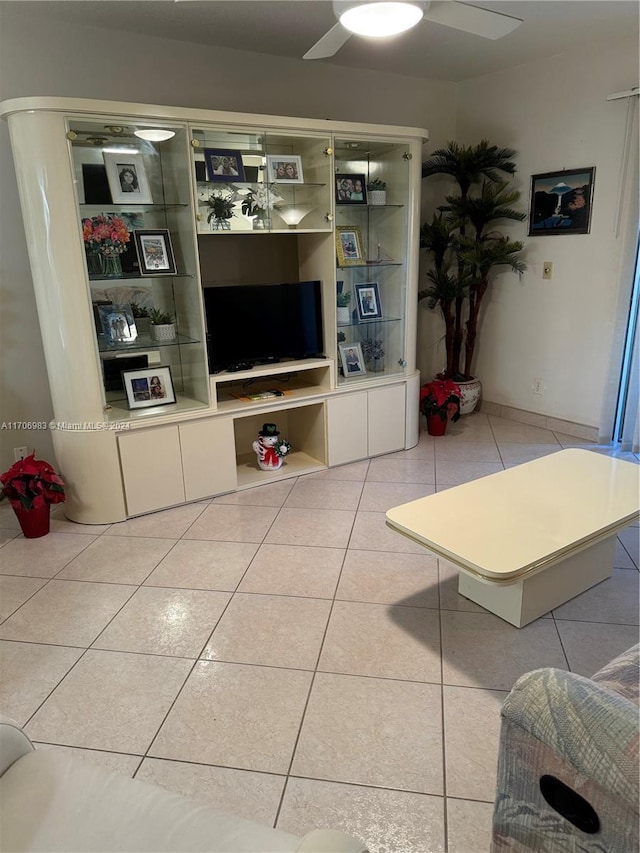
372	264
143	342
359	323
123	208
136	277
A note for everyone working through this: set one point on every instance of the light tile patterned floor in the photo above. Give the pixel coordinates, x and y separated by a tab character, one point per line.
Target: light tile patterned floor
283	655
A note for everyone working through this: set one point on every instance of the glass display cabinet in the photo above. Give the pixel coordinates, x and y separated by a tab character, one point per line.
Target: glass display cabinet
261	180
134	213
137	224
372	180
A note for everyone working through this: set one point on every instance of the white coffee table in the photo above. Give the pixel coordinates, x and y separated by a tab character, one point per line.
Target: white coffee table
527	539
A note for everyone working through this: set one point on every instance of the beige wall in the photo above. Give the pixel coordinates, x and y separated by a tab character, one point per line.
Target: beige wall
567	331
39	57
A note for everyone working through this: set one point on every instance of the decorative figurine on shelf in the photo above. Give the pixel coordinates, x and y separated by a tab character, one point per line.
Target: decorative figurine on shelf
270	449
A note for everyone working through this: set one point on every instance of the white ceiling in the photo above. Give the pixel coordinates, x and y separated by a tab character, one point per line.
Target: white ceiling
288	28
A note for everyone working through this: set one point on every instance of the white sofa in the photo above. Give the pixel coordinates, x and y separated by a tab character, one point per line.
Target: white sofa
51	801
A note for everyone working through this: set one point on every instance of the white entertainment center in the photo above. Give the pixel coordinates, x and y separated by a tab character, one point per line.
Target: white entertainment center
123	452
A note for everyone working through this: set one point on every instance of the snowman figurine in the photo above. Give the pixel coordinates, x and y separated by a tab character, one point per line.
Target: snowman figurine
269	448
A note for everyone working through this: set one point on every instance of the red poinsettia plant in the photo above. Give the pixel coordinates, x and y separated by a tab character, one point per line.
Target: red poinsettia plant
31	483
441	397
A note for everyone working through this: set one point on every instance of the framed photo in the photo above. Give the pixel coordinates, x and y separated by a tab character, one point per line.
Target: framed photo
284	168
352	360
224	164
127	178
351	189
150	386
349	245
118	325
561	202
368	301
154	252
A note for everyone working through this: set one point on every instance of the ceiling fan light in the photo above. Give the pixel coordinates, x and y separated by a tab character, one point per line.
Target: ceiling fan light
155	134
380	19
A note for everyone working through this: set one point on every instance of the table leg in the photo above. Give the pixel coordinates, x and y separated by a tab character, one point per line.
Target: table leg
522	602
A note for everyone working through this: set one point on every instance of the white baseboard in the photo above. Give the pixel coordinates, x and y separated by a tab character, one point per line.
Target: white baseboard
588	433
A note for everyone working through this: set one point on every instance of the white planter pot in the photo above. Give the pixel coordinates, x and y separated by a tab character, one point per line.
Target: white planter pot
344	315
377	196
470	393
164	333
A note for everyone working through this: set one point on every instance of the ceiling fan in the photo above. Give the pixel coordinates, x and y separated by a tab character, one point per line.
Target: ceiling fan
379	18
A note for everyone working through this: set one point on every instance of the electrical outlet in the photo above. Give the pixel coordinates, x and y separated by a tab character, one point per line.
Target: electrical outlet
538	386
547	269
20	452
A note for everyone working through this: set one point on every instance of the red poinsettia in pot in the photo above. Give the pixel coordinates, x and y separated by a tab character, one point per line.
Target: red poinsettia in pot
439	403
31	486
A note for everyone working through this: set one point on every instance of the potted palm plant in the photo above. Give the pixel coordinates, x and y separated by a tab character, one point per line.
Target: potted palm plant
466	249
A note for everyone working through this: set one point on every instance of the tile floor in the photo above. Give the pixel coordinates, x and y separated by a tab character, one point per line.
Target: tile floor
282	654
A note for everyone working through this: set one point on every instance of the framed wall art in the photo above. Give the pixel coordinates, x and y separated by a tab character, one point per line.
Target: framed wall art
150	386
351	189
127	178
561	202
368	301
284	168
352	360
224	164
154	252
349	245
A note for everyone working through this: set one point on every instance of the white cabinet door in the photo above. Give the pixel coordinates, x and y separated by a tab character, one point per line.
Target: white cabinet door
151	469
347	428
208	457
386	408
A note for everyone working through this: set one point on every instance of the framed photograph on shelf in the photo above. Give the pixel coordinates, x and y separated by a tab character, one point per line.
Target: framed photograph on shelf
351	189
352	360
368	301
284	168
224	164
349	245
118	325
561	202
154	252
150	386
127	178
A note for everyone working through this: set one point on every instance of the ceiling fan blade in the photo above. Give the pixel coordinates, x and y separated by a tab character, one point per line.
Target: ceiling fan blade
471	19
329	44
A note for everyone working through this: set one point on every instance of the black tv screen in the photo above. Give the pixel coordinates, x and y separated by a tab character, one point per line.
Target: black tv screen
263	323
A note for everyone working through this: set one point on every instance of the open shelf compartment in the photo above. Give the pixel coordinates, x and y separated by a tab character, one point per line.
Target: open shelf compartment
304	428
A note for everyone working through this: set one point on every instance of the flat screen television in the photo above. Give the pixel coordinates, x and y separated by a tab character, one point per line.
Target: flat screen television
262	323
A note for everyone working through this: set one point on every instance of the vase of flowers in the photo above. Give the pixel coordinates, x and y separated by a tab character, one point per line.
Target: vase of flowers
31	486
220	204
105	239
440	403
258	203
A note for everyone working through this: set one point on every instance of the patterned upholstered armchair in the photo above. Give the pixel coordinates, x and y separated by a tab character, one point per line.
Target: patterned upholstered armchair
568	767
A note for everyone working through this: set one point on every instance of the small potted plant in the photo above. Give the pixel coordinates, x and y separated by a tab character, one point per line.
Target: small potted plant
377	191
343	298
142	316
163	325
439	403
31	486
373	352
